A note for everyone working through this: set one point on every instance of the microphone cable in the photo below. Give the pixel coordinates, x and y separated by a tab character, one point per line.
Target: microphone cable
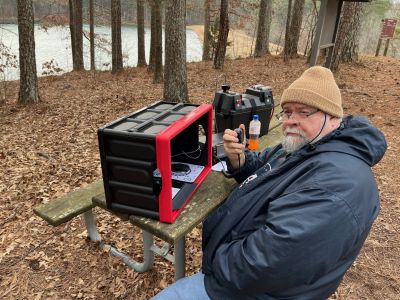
322	128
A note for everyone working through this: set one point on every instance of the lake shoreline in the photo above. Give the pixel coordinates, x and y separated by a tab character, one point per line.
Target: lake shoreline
53	48
241	47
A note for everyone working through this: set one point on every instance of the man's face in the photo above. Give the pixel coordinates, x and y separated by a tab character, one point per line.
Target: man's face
301	124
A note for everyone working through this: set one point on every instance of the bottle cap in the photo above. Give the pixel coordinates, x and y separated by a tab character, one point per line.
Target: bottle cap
255	117
225	87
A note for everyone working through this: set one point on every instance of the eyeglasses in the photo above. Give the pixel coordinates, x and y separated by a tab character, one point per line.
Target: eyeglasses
301	115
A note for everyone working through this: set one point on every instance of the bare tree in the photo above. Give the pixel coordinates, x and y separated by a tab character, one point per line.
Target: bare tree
347	42
287	32
263	29
175	75
116	35
140	34
312	26
207	31
219	58
153	37
91	22
158	67
295	27
71	4
28	87
75	13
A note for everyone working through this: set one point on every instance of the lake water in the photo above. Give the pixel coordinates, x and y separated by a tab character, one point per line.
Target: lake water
54	43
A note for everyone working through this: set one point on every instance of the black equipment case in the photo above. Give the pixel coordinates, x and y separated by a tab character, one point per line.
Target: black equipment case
137	151
233	109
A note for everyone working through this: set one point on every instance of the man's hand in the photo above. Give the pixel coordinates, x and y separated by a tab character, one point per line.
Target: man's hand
234	149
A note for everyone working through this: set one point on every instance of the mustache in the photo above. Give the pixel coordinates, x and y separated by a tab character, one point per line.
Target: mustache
295	131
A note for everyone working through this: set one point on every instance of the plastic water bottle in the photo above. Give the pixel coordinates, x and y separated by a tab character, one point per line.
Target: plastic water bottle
254	133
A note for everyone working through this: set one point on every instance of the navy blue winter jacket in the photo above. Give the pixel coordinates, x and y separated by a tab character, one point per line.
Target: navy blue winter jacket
293	231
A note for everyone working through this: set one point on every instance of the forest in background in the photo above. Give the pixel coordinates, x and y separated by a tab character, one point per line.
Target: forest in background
264	22
243	16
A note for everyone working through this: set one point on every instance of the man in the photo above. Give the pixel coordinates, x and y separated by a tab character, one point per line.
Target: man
302	210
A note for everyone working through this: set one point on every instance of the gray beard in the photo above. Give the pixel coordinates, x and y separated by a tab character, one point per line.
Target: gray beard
291	144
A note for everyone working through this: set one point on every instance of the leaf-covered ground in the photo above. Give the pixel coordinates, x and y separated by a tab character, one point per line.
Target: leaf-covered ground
51	148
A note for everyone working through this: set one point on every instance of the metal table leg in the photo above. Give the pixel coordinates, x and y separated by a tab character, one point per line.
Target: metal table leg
179	247
148	255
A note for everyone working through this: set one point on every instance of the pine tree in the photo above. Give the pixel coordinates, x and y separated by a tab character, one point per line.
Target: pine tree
28	87
175	73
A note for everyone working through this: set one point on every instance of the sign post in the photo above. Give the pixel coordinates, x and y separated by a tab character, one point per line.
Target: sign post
387	33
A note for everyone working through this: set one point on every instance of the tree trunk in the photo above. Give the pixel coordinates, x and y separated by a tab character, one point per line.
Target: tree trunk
158	71
351	47
153	38
287	32
140	34
311	32
295	27
72	29
175	75
219	58
207	31
28	87
78	31
75	25
91	21
264	26
347	38
116	36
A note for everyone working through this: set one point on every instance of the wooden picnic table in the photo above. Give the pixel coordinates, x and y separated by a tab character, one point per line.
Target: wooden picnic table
212	193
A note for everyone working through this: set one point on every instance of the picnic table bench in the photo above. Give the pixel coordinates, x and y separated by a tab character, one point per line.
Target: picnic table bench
213	191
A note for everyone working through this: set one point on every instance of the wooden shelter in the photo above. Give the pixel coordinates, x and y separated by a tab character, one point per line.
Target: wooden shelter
327	26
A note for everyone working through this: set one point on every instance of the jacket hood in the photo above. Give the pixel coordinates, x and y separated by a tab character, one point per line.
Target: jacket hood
355	136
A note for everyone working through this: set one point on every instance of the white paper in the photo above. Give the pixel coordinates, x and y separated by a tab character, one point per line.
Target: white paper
174	192
219	166
195	171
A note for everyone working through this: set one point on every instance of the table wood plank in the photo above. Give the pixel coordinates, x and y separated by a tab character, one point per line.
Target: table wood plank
70	205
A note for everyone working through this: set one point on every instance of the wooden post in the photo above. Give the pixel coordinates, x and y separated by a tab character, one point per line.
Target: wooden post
386	47
329	56
378	48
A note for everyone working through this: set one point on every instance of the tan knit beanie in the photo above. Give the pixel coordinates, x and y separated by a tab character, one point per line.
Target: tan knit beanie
316	87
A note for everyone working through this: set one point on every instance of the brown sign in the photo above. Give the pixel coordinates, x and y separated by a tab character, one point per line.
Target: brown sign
388	28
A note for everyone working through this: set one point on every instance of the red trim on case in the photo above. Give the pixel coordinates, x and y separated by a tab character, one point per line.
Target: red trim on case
163	153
